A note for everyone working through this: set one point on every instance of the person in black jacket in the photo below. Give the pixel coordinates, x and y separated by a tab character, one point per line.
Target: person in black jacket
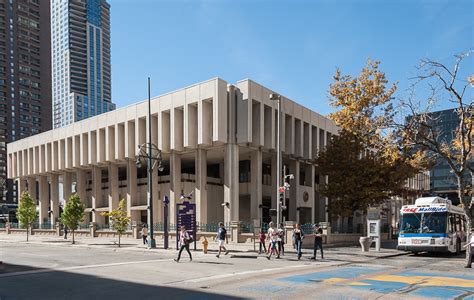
318	241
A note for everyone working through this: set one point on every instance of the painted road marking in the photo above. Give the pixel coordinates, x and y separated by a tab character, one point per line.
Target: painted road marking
48	270
197	280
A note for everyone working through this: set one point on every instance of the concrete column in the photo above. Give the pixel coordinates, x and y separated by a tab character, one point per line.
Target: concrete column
43	200
21	187
312	197
201	186
67	186
294	191
81	187
132	190
54	201
175	184
256	185
81	191
157	202
231	183
32	187
113	187
97	195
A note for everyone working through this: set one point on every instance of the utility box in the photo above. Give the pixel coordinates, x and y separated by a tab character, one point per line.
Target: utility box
373	227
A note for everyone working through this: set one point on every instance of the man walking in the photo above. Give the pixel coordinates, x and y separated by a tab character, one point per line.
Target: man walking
318	241
221	239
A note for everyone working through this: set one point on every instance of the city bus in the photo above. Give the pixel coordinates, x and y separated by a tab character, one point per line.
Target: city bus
432	224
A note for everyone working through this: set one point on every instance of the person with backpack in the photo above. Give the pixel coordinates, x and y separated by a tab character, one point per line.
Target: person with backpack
221	239
184	240
298	237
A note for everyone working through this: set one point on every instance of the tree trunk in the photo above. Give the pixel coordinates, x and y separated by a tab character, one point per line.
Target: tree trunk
73	241
468	259
467	210
27	232
119	240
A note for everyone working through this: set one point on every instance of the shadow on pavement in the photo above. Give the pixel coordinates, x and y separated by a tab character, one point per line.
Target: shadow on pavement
51	284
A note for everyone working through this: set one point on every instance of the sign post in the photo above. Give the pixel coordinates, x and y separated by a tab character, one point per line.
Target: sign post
186	216
166	201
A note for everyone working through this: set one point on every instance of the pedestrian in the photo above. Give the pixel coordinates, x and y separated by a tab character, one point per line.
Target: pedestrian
262	239
65	232
272	235
298	237
281	239
145	234
470	245
221	239
184	240
318	241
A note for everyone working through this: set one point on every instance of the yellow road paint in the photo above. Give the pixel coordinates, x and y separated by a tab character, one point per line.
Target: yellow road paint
426	280
334	280
359	283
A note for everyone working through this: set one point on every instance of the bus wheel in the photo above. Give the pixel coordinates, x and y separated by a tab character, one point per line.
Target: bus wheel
458	247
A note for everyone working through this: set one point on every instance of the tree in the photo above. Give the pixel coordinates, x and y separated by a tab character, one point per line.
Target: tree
118	219
26	213
73	214
418	127
358	178
364	165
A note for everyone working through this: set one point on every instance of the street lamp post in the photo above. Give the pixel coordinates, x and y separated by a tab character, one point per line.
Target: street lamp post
146	152
277	97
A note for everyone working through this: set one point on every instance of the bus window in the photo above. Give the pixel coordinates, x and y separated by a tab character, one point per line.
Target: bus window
434	223
410	223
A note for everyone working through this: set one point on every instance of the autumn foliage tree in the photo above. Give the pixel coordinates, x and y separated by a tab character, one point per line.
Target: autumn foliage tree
364	165
118	219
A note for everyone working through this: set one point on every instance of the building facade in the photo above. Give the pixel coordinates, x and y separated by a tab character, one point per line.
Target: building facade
25	77
80	35
217	140
442	181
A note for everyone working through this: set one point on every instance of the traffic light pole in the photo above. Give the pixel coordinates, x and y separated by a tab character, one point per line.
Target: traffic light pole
279	164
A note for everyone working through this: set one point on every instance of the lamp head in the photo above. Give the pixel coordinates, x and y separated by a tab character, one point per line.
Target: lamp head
274	97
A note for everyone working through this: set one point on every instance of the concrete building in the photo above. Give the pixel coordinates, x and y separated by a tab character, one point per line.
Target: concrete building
25	77
80	31
217	139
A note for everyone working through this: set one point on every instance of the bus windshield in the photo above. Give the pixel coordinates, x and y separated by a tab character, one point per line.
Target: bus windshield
423	223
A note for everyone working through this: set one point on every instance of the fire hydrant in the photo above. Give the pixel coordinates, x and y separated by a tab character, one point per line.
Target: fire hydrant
204	245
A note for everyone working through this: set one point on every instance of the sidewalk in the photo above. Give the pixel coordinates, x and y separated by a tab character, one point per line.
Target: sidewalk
238	249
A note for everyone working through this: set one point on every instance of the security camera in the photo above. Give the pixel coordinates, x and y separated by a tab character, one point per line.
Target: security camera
291	176
225	204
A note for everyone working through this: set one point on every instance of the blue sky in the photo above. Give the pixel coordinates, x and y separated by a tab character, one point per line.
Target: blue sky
292	46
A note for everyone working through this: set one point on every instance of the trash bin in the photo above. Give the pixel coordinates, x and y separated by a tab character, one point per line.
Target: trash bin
365	243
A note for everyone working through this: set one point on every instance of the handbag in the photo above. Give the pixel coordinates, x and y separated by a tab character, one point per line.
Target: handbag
190	240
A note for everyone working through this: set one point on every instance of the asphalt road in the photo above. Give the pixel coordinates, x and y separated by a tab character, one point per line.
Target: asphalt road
55	271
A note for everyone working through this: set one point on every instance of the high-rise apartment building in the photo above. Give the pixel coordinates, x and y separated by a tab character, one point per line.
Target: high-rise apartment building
80	34
25	77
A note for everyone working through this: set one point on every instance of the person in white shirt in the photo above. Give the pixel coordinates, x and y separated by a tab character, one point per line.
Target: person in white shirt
273	236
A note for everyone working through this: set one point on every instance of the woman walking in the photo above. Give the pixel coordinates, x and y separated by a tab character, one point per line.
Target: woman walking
273	237
184	241
298	236
145	234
